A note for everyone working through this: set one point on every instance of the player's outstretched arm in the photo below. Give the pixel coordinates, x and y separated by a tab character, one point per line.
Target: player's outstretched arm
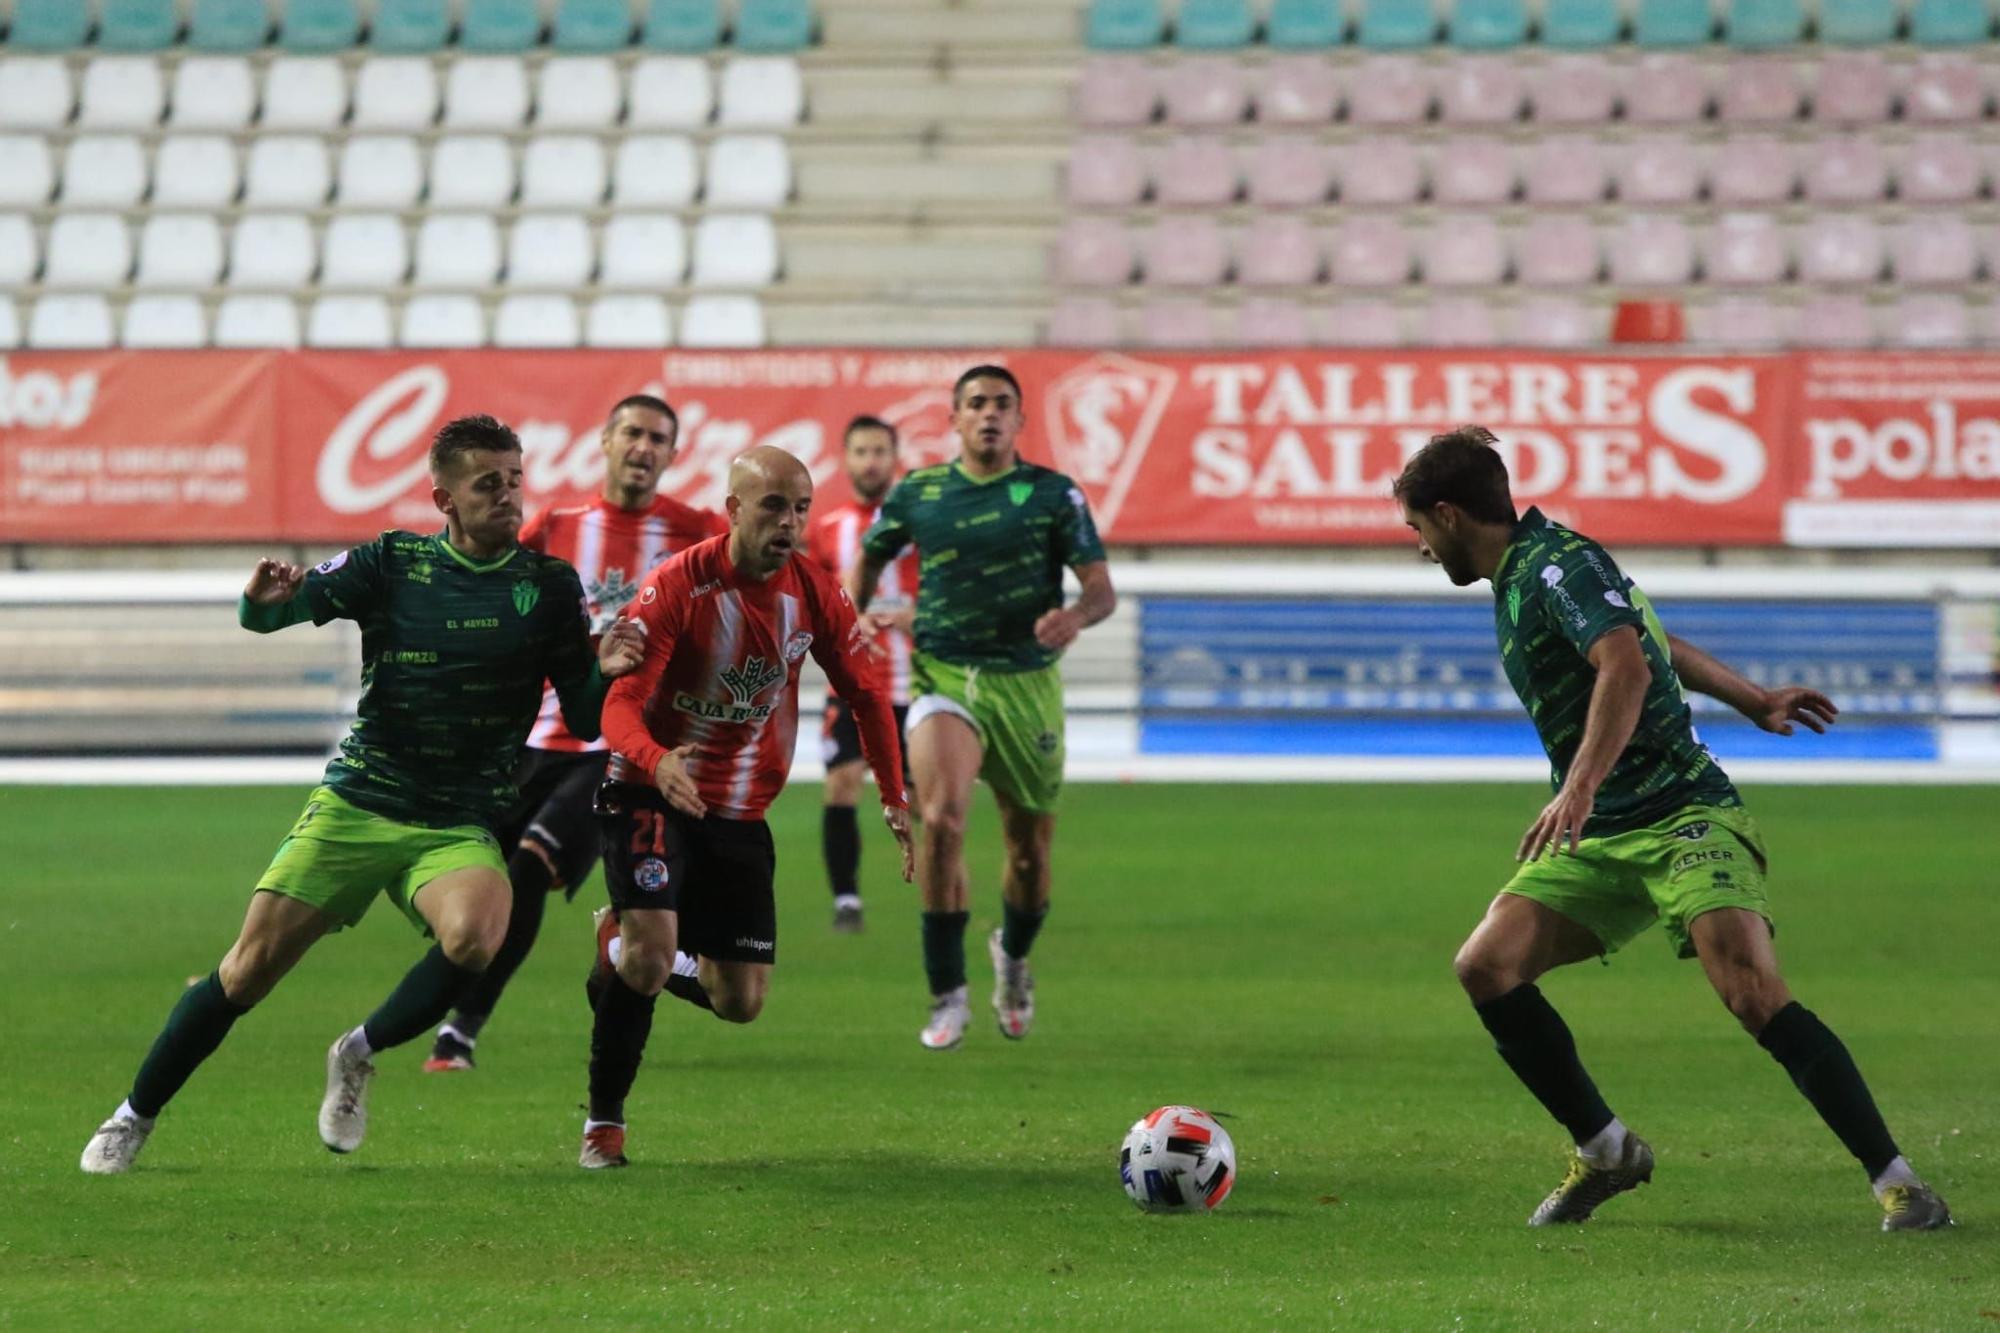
1775	710
865	578
1057	629
271	598
1623	676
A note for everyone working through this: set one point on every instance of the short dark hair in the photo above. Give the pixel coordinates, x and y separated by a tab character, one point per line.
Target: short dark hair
866	422
986	373
464	435
1460	467
650	404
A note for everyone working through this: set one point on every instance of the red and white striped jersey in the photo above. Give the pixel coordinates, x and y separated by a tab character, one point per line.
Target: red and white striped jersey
611	550
834	540
721	673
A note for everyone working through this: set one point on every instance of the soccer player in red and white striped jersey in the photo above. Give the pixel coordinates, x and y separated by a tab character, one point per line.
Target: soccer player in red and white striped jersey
834	540
551	838
704	732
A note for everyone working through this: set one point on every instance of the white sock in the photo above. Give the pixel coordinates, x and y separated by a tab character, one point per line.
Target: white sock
589	1125
356	1044
847	900
686	965
449	1031
951	996
1606	1146
130	1116
1897	1172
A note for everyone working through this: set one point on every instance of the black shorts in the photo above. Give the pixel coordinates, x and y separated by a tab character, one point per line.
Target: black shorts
557	788
840	737
716	873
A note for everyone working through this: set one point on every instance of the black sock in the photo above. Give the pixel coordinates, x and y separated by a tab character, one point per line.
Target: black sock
201	1018
689	989
1536	1044
617	1040
1823	1070
531	880
420	1001
1018	928
944	950
840	843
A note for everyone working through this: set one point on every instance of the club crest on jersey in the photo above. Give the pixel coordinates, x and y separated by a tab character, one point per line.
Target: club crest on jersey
795	647
525	596
1019	491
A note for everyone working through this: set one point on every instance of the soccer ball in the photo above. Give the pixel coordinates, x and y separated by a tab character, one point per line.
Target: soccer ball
1178	1160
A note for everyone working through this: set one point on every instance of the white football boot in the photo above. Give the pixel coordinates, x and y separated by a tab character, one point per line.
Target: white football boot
343	1112
1013	991
114	1145
949	1015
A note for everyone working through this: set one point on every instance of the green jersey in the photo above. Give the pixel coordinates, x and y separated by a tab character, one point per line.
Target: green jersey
990	557
1554	595
453	657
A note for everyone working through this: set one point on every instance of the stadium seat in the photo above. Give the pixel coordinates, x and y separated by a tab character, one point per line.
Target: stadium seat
1084	321
1364	324
1848	170
486	93
1944	88
360	322
1093	252
1177	322
1667	23
35	93
1840	248
19	254
1935	169
1278	250
748	171
310	93
1858	22
1388	90
578	93
1194	171
1756	25
734	250
319	25
1758	90
592	25
164	321
1574	90
1465	250
1105	171
180	250
363	251
379	171
1557	321
1657	169
10	324
48	25
103	171
70	322
1208	25
563	171
541	320
441	321
627	321
1368	251
1650	249
1117	92
272	252
134	25
212	93
471	171
1289	173
761	92
643	253
1380	171
1949	22
1666	90
409	27
1837	321
395	93
1745	250
723	321
1565	169
256	321
1394	25
1753	169
1488	25
1927	320
1473	171
1304	25
654	171
1557	250
286	171
1481	90
457	251
497	26
1852	87
774	25
1297	90
671	92
682	25
549	252
27	171
1458	321
121	93
1580	25
1207	91
229	25
1745	322
1933	250
87	250
1124	25
1265	321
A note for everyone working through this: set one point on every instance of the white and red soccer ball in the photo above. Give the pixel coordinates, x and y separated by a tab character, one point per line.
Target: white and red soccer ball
1178	1160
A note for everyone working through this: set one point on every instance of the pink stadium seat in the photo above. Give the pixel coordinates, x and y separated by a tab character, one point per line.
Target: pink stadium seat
1464	251
1117	91
1369	251
1742	322
1758	90
1940	169
1481	90
1206	90
1388	90
1566	169
1929	320
1575	90
1105	172
1290	173
1989	249
1658	170
1933	250
1840	247
1265	322
1459	321
1666	90
1364	324
1650	250
1473	171
1944	88
1278	250
1297	90
1852	88
1185	251
1178	323
1830	320
1847	170
1556	250
1094	252
1084	321
1557	321
1753	169
1745	249
1196	171
1989	323
1380	171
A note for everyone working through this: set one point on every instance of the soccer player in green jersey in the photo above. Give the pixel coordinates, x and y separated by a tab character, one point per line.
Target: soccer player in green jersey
458	632
1643	826
993	535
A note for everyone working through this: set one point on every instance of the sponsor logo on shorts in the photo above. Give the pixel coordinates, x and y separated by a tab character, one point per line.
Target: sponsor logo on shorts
1048	742
1694	832
1702	857
650	874
762	946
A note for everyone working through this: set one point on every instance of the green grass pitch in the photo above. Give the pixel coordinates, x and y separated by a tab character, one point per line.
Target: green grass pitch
1277	954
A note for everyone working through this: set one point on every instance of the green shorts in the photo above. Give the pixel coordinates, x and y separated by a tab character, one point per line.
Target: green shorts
1019	718
338	857
1694	861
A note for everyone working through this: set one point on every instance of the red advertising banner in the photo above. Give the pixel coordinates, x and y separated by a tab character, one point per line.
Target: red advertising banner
1182	449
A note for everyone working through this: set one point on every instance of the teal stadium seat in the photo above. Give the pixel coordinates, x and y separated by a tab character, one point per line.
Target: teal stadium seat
1488	25
593	25
48	25
1580	25
1124	25
500	26
1949	22
1757	24
1214	25
1664	23
1857	22
319	25
137	25
682	25
1304	25
409	27
229	25
773	25
1393	25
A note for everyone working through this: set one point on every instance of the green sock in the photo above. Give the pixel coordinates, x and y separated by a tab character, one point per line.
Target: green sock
944	950
199	1021
420	1001
1018	928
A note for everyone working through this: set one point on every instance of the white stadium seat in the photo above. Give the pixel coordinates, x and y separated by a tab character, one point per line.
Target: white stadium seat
627	321
180	250
122	93
88	250
212	93
104	171
471	171
735	250
655	171
272	252
535	321
304	93
578	93
457	251
762	92
395	93
379	171
195	171
286	171
164	321
72	322
363	250
20	255
642	253
10	324
442	321
671	92
548	252
256	321
748	171
722	321
27	171
562	171
348	321
486	93
35	93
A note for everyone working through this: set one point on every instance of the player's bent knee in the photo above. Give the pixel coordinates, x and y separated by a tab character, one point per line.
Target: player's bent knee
943	819
247	974
1755	1001
736	1006
473	942
645	966
1483	975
